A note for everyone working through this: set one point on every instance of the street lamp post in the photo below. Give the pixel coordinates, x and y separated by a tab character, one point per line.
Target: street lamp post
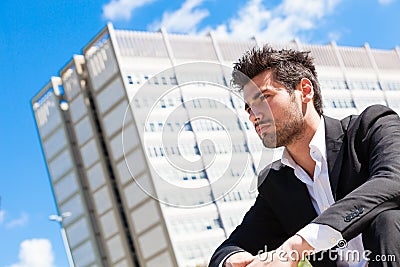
59	219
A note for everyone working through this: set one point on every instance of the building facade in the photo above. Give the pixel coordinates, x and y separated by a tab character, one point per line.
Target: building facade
151	152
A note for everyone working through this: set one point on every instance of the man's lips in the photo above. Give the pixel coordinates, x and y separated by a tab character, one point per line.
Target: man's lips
262	127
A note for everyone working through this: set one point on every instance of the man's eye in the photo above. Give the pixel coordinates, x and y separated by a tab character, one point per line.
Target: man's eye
265	96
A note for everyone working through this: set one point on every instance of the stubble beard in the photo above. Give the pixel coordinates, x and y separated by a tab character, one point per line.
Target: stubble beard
290	129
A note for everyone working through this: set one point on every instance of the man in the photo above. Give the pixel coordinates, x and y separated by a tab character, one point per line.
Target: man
337	186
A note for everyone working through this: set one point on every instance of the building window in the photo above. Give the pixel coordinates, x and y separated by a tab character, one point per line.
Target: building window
393	86
339	103
162	103
362	85
130	81
196	150
169	125
155	80
188	126
166	150
173	80
334	84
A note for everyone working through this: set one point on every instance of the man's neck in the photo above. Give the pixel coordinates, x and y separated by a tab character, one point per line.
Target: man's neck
299	150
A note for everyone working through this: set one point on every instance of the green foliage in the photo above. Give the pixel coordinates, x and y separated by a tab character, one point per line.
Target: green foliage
304	263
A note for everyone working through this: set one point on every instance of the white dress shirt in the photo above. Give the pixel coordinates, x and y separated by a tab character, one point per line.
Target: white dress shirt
323	237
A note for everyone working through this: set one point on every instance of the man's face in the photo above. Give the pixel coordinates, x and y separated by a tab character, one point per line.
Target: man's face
276	114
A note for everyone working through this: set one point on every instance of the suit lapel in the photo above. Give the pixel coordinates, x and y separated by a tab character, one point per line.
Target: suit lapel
285	185
300	204
299	211
334	140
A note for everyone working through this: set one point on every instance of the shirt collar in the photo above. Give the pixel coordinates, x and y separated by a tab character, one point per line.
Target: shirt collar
317	143
318	140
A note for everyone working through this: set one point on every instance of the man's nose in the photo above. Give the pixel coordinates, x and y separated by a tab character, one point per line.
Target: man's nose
253	117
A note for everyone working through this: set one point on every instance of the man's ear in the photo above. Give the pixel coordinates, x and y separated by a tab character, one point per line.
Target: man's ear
307	90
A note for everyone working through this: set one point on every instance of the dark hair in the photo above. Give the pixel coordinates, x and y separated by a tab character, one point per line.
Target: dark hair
288	68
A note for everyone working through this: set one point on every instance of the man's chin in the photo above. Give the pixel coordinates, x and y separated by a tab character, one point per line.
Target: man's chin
269	142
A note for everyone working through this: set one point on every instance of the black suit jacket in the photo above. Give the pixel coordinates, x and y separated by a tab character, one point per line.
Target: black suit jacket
363	154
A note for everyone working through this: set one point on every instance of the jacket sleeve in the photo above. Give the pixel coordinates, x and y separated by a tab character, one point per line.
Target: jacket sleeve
374	149
259	230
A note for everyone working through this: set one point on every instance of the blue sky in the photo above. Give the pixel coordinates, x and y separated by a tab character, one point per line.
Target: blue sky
38	37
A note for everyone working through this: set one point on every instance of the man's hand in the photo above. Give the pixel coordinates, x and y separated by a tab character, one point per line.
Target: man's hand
287	255
297	245
240	259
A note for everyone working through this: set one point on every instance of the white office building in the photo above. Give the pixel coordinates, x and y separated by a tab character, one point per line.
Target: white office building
152	153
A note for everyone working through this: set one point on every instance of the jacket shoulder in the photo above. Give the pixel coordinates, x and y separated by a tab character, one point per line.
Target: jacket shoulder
269	172
368	117
376	111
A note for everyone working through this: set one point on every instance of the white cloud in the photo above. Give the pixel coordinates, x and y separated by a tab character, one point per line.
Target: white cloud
2	216
122	9
282	23
20	221
385	2
183	20
250	20
334	36
35	253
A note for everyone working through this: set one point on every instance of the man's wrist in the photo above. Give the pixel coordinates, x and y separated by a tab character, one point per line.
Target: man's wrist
238	258
298	247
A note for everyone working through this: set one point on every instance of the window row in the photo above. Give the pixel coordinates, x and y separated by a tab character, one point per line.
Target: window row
333	84
256	147
392	86
239	195
149	79
194	225
394	104
169	126
209	125
174	174
200	198
362	103
162	103
338	103
197	251
213	173
205	149
198	125
194	103
209	102
363	85
223	148
358	85
233	221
